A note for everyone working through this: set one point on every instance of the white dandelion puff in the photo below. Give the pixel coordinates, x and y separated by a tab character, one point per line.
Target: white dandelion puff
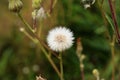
60	39
41	13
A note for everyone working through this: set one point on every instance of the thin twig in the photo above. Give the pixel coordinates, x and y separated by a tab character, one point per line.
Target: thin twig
51	6
34	24
22	19
112	8
82	74
51	62
45	45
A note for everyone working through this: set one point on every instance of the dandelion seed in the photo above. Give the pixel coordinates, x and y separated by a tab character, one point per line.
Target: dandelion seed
60	39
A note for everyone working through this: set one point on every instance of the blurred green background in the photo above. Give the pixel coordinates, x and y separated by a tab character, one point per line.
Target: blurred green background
21	59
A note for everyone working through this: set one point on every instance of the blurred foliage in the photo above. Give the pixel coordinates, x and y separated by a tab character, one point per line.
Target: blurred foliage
19	55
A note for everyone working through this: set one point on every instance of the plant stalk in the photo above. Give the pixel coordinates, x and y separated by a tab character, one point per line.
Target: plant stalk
61	66
23	20
113	56
82	74
98	78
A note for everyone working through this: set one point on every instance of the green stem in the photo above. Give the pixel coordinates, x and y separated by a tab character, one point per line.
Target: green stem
29	36
61	66
40	29
113	56
114	18
55	1
51	61
42	43
26	24
98	78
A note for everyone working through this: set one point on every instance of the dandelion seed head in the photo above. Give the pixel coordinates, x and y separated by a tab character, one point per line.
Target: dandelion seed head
60	39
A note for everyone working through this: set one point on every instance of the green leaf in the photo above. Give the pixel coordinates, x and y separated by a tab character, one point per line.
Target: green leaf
110	21
4	60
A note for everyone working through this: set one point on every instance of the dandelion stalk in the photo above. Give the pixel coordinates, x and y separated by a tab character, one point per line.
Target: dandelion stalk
51	61
61	66
42	48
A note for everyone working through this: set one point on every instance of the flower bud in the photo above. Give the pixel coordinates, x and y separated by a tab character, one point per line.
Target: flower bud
34	13
36	4
95	72
15	5
82	57
79	47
